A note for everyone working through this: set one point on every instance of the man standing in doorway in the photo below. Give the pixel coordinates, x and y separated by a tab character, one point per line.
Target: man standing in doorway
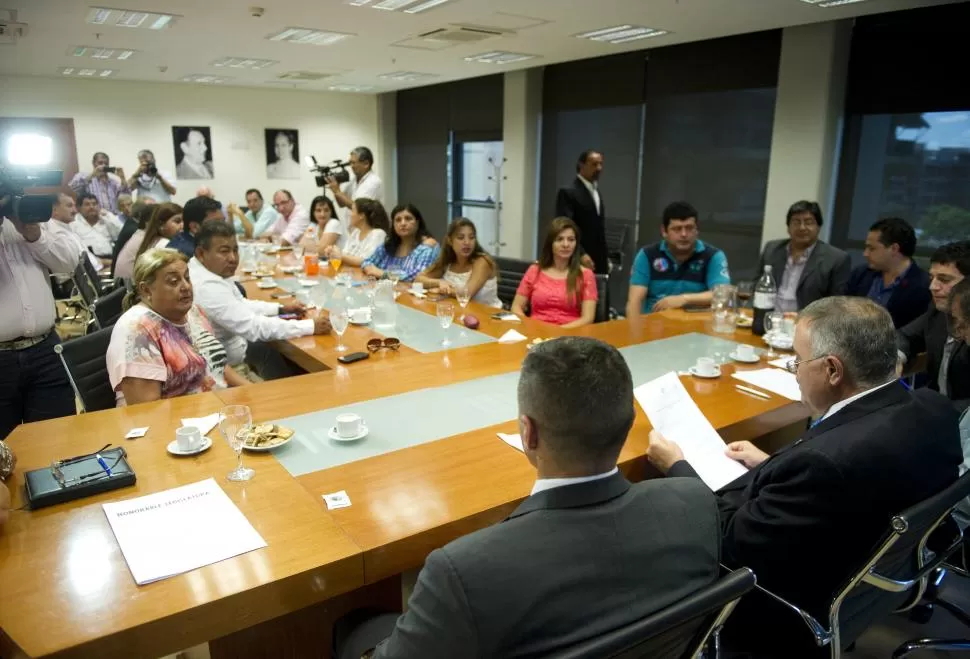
582	203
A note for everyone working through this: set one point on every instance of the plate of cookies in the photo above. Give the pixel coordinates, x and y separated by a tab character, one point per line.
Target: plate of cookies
266	437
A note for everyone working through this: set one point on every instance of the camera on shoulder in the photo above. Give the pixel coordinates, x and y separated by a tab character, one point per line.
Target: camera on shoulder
28	208
337	170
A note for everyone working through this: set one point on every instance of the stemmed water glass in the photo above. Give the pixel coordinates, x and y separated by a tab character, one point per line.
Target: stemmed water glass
461	294
773	327
446	314
339	319
235	425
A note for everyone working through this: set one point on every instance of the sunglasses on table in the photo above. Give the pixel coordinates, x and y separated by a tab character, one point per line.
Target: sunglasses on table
374	345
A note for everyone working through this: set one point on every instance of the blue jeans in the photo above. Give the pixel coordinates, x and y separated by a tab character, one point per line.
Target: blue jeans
33	386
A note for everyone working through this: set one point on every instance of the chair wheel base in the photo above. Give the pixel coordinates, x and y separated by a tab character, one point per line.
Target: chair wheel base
921	613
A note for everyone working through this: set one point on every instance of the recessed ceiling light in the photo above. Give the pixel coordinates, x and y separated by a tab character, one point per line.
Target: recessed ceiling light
357	3
205	79
499	57
408	6
307	36
392	5
349	88
129	18
101	53
837	3
244	63
86	73
406	76
622	34
428	4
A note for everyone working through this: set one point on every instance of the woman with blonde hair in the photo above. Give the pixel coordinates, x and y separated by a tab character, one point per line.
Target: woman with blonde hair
164	223
163	345
558	289
463	262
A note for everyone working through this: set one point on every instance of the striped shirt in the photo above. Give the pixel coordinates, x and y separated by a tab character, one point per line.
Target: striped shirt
106	190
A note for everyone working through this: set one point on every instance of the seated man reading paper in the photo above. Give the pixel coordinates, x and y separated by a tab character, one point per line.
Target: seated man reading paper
579	557
808	517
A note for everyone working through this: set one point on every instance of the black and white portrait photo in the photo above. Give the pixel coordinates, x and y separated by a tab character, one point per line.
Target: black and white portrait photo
193	152
282	153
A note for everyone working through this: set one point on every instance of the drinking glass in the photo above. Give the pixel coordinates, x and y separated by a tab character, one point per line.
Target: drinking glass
236	423
335	261
446	314
339	320
461	294
724	305
774	323
298	253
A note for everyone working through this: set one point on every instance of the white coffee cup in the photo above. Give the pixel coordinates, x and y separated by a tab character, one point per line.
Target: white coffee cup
705	366
349	425
417	287
361	315
744	351
189	438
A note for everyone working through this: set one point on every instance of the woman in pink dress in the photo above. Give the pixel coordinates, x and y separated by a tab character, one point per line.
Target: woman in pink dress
558	289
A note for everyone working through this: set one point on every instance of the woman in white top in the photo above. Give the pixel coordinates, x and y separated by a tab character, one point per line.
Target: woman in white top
368	231
164	224
463	262
325	229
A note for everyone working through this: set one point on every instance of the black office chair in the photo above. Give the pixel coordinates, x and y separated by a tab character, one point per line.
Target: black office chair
86	287
603	299
510	273
102	281
84	361
107	308
680	631
894	577
616	235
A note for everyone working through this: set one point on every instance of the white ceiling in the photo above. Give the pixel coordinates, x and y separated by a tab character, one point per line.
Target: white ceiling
211	29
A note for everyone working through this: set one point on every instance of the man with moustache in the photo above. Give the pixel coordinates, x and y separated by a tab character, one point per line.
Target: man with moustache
583	204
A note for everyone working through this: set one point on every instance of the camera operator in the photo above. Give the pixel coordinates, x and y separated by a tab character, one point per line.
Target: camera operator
104	182
33	385
365	183
149	181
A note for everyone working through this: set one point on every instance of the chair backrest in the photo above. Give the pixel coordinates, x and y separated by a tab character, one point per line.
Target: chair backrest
86	288
84	360
93	273
676	632
510	273
603	299
107	308
616	234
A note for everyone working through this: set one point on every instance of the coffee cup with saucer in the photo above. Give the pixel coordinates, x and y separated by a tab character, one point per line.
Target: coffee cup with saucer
349	427
745	353
188	441
705	368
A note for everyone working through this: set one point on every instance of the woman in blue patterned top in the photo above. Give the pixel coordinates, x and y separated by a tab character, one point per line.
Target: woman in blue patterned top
409	248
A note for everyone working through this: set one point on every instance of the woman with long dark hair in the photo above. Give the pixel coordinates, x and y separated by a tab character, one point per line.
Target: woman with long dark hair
165	221
368	231
463	262
406	249
558	289
325	229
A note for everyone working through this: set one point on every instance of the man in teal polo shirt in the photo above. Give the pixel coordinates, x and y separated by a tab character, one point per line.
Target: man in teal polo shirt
678	270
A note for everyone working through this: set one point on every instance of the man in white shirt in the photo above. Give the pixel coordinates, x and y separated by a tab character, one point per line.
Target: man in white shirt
33	385
97	228
242	325
63	215
151	182
364	184
293	220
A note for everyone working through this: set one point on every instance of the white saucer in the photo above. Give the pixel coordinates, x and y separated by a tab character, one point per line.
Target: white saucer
332	434
308	282
754	359
693	371
173	447
266	284
359	318
785	343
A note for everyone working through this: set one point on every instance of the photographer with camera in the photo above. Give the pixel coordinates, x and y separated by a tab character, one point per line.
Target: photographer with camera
33	385
365	183
149	181
104	182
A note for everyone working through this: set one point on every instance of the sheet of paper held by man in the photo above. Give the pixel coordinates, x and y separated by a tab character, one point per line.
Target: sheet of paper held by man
675	415
179	530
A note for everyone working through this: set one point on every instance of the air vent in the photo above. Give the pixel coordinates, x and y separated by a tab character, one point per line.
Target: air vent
306	76
460	34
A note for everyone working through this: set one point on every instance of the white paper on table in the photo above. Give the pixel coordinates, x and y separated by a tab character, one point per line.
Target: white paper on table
781	363
337	500
515	441
774	380
205	424
512	337
135	433
675	415
179	530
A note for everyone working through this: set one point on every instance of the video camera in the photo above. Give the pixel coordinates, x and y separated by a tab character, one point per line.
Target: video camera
336	169
30	208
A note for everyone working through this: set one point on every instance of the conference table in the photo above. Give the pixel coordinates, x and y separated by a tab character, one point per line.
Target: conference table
431	470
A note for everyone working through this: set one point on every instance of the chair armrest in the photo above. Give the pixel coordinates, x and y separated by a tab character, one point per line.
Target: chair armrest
822	635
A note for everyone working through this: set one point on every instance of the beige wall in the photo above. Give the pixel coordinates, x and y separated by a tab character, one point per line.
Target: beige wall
521	139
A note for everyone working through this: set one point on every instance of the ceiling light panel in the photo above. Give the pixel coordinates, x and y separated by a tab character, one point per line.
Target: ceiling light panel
407	6
129	18
837	3
308	36
80	72
406	76
499	57
243	63
205	79
622	34
422	6
96	52
349	88
392	5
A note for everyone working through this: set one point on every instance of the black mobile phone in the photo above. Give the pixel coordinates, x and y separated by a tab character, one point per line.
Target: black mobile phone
696	308
289	316
111	170
504	315
352	357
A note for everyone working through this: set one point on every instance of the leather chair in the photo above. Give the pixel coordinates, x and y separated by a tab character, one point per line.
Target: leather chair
102	281
919	541
603	299
84	361
616	235
107	308
86	287
681	631
510	273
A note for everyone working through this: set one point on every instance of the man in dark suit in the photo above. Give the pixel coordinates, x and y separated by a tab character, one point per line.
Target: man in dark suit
947	356
890	277
808	517
805	268
586	553
583	204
